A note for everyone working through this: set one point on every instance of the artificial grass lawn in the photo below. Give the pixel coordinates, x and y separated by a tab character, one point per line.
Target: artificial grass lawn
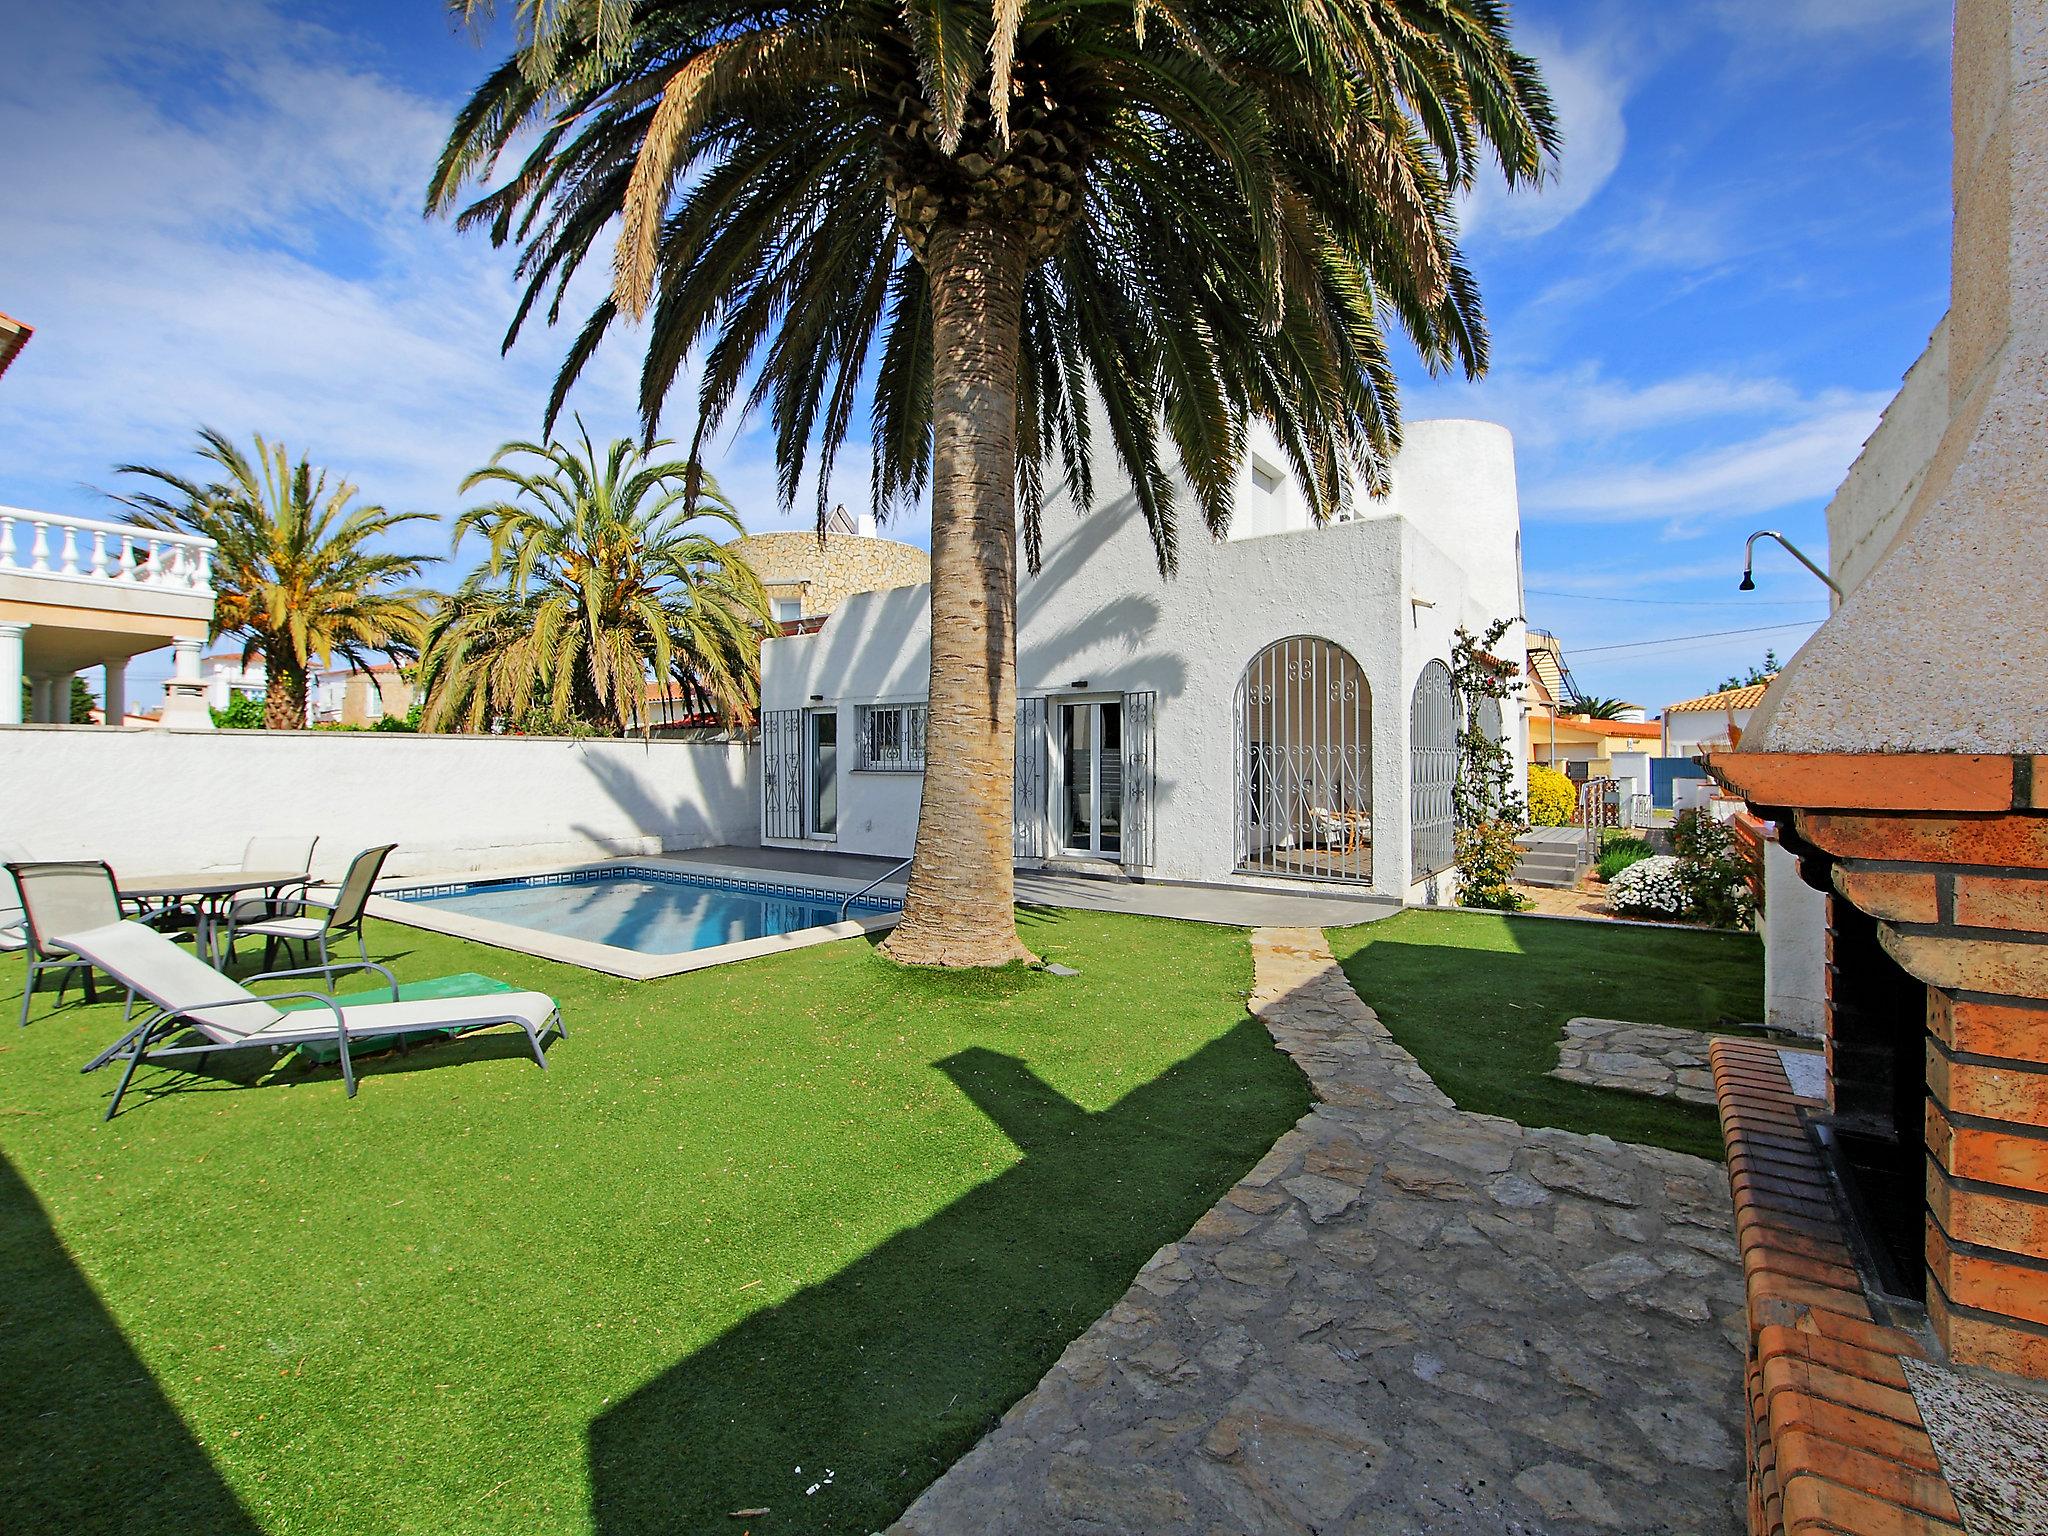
1481	999
810	1220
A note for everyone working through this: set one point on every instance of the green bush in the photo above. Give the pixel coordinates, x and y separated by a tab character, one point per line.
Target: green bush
242	714
1552	797
1487	856
1621	852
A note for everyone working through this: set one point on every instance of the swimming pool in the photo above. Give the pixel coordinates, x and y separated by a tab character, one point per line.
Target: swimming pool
666	914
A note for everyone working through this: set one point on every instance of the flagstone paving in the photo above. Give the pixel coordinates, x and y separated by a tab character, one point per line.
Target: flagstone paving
1406	1318
1652	1059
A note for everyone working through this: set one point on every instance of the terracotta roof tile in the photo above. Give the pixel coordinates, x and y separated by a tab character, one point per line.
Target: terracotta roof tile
1727	698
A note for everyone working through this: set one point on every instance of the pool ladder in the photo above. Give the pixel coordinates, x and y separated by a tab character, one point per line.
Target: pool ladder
888	874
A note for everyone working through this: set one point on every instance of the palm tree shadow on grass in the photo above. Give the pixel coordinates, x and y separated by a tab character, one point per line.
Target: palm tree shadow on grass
886	1373
87	1441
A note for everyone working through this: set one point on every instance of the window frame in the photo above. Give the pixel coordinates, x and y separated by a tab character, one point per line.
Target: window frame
907	753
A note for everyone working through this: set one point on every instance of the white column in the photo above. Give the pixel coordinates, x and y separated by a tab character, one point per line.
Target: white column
60	698
39	701
114	693
11	637
185	694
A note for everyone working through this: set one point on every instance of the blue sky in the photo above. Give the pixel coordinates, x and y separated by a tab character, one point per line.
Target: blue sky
213	216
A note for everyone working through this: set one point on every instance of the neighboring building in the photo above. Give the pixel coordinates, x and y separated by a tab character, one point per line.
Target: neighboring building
808	577
230	676
1281	708
337	696
1585	748
13	337
346	696
78	595
1550	679
1712	722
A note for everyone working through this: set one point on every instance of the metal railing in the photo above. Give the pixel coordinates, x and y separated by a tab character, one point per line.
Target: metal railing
887	874
65	548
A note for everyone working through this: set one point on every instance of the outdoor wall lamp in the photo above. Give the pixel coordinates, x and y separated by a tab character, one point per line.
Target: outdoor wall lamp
1748	583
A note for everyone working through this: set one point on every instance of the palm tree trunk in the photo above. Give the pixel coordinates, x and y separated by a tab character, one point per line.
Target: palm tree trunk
960	906
284	688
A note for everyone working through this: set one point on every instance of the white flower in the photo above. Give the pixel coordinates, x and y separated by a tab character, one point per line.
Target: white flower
1651	887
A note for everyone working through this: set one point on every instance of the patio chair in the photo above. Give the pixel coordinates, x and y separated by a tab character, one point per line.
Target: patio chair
13	926
191	997
315	923
59	898
276	852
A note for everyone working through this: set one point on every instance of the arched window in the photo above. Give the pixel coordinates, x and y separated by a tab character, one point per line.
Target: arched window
1433	771
1304	763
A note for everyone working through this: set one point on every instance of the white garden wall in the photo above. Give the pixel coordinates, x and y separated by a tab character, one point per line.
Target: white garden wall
170	800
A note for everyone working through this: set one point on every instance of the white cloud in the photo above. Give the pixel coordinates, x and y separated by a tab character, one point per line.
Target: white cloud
1916	24
1588	88
256	260
1798	460
1580	408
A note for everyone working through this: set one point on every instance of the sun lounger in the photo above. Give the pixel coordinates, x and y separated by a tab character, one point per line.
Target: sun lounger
191	997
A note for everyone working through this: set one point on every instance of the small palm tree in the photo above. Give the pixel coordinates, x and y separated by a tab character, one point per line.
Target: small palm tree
1602	709
1018	228
601	576
294	576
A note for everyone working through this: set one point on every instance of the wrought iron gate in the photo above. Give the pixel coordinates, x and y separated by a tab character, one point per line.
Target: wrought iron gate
1433	772
1138	741
1030	795
782	773
1304	763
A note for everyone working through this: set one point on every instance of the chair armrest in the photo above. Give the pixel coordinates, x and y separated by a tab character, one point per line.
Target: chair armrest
328	971
171	1015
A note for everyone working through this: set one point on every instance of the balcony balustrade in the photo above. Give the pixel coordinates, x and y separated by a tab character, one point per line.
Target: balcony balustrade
65	548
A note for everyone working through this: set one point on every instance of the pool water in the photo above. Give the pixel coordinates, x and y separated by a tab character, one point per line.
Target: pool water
632	910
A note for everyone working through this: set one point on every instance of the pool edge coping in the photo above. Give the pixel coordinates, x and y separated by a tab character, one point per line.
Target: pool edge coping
611	959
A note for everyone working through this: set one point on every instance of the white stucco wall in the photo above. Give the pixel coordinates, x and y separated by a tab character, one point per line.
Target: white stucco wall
1688	730
170	800
1795	946
1872	501
1633	768
1099	613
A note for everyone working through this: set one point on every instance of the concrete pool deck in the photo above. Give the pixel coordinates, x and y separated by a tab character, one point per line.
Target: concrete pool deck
1238	906
612	959
841	875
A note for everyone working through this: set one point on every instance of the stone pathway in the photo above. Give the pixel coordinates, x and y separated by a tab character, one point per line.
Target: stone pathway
1405	1319
1652	1059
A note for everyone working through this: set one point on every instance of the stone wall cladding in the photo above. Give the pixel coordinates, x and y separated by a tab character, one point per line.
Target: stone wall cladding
1836	1441
795	564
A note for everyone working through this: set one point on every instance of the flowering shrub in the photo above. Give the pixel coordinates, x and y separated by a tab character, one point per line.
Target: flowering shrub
1552	796
1487	856
1716	871
1488	816
1652	887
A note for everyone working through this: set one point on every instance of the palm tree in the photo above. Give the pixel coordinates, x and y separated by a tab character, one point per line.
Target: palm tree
1601	709
600	577
293	575
1017	226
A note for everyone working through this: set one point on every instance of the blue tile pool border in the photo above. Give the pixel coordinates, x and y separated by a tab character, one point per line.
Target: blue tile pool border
611	873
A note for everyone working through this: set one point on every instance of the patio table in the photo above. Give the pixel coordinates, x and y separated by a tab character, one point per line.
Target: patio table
207	889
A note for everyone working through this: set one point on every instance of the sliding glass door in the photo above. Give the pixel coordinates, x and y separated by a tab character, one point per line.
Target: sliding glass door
1091	760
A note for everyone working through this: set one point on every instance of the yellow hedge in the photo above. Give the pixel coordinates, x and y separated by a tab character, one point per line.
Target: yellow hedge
1552	796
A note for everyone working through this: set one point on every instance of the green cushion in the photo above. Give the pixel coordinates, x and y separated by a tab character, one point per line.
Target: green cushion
462	984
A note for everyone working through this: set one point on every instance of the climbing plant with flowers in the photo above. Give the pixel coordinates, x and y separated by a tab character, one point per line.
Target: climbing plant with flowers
1488	811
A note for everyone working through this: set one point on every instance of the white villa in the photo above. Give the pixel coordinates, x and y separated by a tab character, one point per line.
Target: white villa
1279	710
